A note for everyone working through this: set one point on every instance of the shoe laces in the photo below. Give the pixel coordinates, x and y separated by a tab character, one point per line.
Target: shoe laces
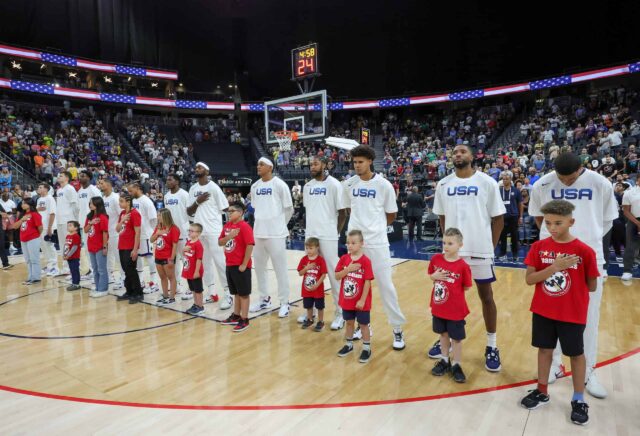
493	354
398	336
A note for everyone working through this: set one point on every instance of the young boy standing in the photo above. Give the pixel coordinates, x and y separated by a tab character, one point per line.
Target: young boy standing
313	270
237	239
193	269
356	273
451	277
564	270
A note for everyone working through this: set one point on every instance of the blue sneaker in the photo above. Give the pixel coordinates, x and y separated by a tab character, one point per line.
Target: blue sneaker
195	310
435	352
492	359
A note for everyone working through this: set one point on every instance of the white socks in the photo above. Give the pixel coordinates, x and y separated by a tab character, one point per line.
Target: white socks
491	340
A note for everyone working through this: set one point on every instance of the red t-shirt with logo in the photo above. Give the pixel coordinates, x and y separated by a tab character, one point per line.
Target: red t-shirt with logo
352	284
312	275
29	228
191	253
70	242
94	236
447	297
164	243
564	296
235	249
127	237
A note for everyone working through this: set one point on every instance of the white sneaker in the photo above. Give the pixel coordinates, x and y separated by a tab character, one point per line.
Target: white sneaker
12	250
556	372
44	271
302	317
626	276
605	274
337	323
261	305
112	279
594	387
118	285
65	271
284	311
87	276
188	295
227	302
96	294
53	272
398	340
150	288
357	334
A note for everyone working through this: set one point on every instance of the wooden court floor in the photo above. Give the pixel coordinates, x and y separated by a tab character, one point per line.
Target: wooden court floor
67	344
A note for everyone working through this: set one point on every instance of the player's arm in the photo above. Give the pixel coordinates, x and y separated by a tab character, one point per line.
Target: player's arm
391	217
497	224
342	218
441	220
626	209
538	220
52	217
154	236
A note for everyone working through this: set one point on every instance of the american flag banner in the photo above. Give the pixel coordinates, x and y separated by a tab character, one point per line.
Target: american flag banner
465	95
95	66
118	98
509	89
155	101
359	104
220	105
58	59
550	83
394	102
191	104
5	83
131	71
256	107
77	93
600	74
161	74
635	67
20	52
335	106
39	88
429	99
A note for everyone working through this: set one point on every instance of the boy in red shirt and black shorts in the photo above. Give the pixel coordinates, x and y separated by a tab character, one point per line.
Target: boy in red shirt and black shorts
193	270
564	270
356	273
237	239
313	270
451	277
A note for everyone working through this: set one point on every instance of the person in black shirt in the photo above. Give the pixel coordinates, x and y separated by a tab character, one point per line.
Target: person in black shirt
415	210
512	200
608	167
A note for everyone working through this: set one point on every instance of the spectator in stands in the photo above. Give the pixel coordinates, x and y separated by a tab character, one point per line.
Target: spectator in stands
608	167
415	211
6	178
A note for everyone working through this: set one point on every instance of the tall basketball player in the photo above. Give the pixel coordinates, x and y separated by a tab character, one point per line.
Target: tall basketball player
112	205
596	208
207	202
470	201
149	219
372	200
271	199
47	208
86	192
67	207
177	201
325	215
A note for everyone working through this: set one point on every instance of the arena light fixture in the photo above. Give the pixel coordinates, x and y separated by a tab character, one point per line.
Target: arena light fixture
43	66
107	79
16	65
154	84
73	74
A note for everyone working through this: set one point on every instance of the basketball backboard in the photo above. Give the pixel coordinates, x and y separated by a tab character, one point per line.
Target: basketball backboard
305	114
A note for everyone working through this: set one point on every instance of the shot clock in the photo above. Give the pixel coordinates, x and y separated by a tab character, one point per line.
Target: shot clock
304	62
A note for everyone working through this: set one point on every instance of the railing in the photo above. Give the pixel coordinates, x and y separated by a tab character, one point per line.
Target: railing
19	174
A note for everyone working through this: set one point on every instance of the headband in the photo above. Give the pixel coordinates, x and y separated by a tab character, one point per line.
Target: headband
203	165
265	161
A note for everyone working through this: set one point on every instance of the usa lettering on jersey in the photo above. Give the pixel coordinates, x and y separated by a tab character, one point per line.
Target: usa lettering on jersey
171	201
462	190
318	191
572	194
264	191
363	192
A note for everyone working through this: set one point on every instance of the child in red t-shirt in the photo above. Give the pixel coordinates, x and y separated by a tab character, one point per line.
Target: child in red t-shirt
564	270
451	279
237	239
165	238
313	269
30	226
71	253
128	227
96	227
355	271
193	270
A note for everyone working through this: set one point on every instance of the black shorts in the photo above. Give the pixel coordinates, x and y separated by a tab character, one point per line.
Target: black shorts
546	332
239	282
455	329
363	317
309	302
164	261
195	285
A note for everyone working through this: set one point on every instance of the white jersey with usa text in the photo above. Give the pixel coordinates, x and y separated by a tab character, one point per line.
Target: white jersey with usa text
112	206
50	208
322	201
370	202
591	194
209	213
469	204
84	196
177	204
271	200
67	204
147	213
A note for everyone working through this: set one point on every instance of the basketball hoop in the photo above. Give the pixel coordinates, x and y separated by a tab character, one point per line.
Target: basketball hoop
284	138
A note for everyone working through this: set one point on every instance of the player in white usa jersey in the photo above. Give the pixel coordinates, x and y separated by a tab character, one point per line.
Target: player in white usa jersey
86	192
177	201
595	209
271	199
325	215
112	205
47	208
470	201
372	200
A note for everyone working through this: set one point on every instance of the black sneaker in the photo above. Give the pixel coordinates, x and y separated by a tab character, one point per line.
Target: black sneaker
162	300
457	374
195	310
136	299
579	413
306	323
345	350
534	400
170	300
124	296
231	320
241	326
440	368
6	267
364	356
319	326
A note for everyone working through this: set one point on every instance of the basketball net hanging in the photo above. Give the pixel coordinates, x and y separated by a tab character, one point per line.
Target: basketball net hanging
284	138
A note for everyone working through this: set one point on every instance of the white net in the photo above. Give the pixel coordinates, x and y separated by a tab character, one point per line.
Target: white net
284	139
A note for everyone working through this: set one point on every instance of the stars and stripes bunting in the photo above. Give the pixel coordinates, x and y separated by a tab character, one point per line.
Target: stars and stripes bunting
599	74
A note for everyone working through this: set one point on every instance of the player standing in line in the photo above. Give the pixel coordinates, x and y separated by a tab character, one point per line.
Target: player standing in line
177	201
208	203
470	201
372	200
67	207
149	220
595	209
112	206
86	192
271	198
47	208
325	216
